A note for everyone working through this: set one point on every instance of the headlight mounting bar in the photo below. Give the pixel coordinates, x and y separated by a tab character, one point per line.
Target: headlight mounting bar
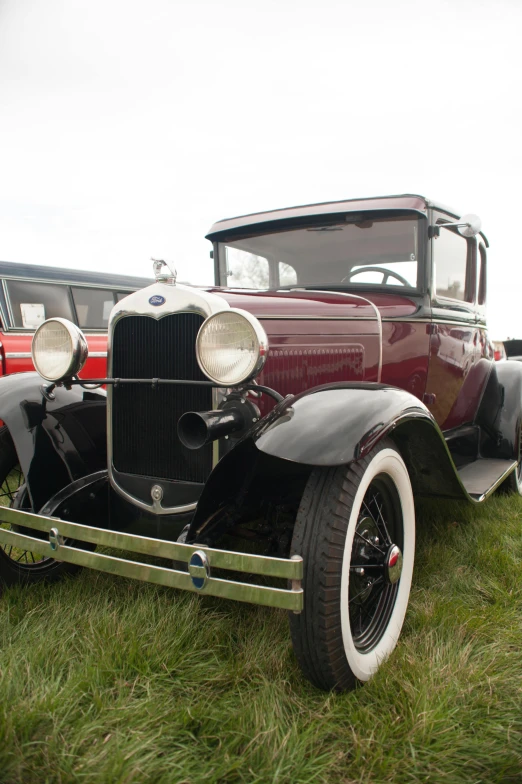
156	382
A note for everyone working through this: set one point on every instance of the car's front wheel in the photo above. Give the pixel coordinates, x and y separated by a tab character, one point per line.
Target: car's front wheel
355	530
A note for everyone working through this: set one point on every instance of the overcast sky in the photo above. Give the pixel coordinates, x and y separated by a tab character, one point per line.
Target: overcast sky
128	128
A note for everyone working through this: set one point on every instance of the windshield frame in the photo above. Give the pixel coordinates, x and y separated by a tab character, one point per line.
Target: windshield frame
230	237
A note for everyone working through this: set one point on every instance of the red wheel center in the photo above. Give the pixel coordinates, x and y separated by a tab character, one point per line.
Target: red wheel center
393	564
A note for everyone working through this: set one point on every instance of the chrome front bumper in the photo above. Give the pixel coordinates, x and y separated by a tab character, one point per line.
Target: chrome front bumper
200	560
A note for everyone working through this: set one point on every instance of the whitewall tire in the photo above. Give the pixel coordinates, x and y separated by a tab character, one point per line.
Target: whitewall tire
356	532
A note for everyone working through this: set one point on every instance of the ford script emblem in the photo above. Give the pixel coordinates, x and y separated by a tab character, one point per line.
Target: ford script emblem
157	299
199	569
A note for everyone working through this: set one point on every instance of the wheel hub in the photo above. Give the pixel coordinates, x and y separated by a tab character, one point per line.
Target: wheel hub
393	564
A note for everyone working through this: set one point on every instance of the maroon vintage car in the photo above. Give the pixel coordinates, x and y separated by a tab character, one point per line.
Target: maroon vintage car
278	424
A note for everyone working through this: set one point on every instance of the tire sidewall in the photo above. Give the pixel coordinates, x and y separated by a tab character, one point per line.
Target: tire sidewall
364	665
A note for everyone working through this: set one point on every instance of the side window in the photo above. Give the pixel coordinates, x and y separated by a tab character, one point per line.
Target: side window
93	307
246	270
450	256
287	274
482	262
32	303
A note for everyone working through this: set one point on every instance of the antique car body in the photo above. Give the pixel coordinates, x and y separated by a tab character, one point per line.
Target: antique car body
373	382
30	293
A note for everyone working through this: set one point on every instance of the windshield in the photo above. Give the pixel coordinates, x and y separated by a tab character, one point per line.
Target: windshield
364	252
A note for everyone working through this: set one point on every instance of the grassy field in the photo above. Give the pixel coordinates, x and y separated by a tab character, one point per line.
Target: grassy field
106	680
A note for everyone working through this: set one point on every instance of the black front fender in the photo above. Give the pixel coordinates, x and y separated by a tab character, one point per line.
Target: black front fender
328	426
334	425
57	441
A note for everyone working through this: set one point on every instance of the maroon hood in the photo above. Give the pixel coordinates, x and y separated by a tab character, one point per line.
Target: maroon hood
319	337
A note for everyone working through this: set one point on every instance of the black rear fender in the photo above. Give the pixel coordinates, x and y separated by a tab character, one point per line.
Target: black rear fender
500	412
57	441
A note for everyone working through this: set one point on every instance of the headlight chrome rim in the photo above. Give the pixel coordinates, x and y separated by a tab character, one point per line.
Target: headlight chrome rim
78	354
261	340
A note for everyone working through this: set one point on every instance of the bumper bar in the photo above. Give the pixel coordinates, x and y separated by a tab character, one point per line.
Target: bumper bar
199	559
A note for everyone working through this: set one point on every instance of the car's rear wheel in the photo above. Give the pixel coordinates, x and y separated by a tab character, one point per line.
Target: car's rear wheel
355	530
17	565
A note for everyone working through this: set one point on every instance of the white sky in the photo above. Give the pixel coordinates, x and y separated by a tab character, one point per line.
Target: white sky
128	128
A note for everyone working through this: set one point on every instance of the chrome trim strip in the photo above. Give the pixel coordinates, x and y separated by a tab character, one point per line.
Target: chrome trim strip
59	530
265	317
178	299
384	319
21	332
97	353
76	283
7	299
18	355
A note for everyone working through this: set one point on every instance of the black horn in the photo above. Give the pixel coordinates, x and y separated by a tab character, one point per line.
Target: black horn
197	428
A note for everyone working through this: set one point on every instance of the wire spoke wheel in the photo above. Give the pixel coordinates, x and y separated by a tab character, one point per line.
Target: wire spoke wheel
371	592
355	530
13	494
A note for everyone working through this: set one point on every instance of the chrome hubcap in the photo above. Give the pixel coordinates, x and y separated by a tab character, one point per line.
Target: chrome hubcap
393	564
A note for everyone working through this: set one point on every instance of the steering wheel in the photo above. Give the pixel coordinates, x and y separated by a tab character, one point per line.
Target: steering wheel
385	275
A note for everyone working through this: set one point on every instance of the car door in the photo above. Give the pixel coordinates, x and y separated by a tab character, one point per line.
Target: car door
454	337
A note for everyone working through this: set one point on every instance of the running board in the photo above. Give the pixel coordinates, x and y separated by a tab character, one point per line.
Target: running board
483	476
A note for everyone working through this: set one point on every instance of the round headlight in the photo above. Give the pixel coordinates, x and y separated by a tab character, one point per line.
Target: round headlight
59	349
231	347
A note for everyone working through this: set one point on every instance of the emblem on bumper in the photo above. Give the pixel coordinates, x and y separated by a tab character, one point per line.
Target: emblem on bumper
199	569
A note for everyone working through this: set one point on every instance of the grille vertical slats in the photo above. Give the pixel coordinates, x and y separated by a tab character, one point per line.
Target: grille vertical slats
144	420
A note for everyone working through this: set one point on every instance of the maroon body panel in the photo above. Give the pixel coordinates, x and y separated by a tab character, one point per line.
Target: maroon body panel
326	337
459	368
315	338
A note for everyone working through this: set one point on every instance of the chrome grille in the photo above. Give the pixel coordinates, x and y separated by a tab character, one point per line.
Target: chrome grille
144	420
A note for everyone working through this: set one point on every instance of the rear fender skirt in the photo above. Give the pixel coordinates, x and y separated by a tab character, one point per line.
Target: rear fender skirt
500	412
57	441
327	426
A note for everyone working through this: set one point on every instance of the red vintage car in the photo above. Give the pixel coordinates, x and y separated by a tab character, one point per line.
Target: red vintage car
30	294
278	424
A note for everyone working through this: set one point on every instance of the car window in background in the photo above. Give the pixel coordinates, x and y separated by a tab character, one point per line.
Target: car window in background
33	303
93	307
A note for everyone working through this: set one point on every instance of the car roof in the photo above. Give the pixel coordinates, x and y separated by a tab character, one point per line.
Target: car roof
11	269
405	201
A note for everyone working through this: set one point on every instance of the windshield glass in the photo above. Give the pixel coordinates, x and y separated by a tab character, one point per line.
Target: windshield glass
357	252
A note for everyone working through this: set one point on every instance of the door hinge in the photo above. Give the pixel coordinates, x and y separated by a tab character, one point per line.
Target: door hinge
429	398
432	329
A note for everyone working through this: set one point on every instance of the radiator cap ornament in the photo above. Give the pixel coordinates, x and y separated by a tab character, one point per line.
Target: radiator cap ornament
167	275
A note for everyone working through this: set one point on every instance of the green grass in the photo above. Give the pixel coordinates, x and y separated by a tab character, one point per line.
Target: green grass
106	680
